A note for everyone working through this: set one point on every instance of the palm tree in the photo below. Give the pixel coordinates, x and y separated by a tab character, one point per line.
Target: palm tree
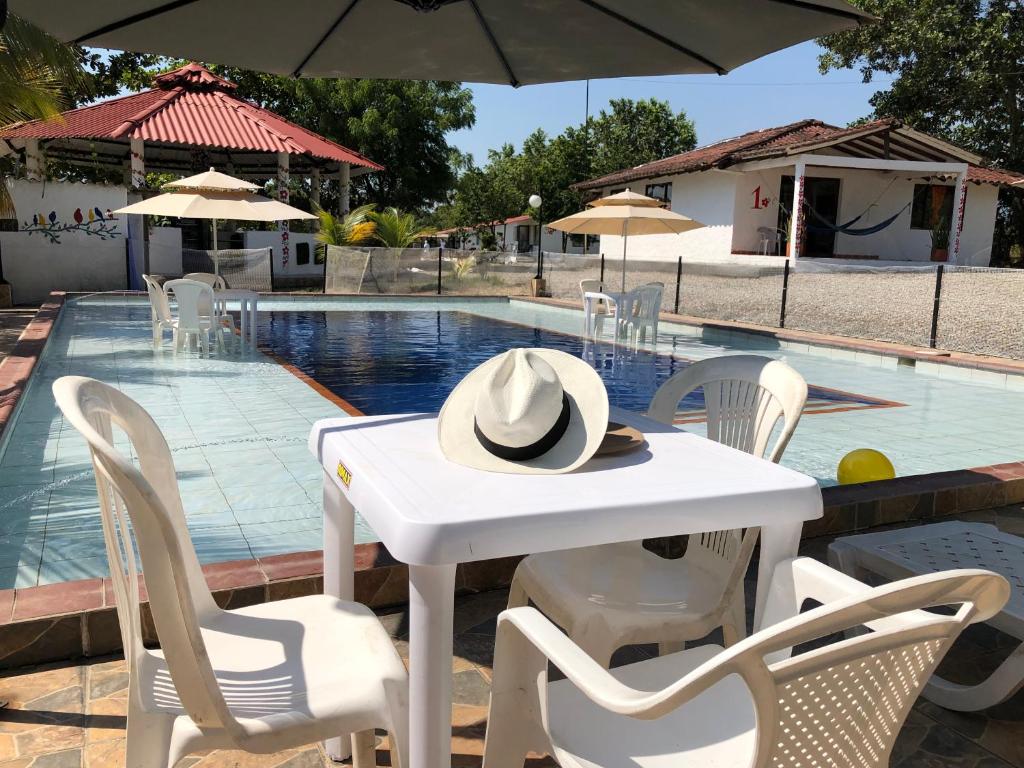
355	228
34	71
395	229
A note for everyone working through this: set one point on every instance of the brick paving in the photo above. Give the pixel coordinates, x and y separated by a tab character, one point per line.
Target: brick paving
72	715
12	323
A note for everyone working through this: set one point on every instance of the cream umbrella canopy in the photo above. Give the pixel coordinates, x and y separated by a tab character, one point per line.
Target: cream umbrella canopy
625	214
214	195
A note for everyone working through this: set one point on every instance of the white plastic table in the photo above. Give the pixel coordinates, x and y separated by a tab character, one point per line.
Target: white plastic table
433	514
623	308
247	301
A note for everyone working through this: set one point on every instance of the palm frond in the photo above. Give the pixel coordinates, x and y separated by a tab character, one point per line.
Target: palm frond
354	229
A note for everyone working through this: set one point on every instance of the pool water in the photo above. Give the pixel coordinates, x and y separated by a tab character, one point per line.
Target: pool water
384	362
237	424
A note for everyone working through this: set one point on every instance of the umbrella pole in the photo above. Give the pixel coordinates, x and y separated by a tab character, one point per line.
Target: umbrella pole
216	260
625	234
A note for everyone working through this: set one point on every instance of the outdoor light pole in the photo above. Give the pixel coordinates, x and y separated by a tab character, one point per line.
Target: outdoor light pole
535	203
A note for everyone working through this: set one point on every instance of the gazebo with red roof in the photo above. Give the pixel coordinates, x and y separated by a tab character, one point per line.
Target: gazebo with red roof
190	120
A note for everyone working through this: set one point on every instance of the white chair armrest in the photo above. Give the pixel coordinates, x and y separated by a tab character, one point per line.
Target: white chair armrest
526	641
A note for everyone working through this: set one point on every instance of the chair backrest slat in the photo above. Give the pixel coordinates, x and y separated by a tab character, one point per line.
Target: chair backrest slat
745	397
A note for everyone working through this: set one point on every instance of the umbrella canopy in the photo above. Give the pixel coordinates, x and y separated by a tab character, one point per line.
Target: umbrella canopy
242	206
517	42
212	180
213	195
625	214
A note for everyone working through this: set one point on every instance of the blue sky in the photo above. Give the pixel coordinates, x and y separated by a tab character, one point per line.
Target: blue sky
774	90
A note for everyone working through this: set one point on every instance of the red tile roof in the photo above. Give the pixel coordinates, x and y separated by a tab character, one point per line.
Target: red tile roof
190	105
770	142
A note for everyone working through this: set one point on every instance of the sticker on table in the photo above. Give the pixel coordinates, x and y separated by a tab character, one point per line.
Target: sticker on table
344	474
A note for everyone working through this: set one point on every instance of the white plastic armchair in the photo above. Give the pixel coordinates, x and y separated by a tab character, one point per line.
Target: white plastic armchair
621	594
840	704
263	678
216	282
160	310
196	315
597	306
646	313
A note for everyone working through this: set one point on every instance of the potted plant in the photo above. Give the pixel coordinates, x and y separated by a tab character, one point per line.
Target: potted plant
940	240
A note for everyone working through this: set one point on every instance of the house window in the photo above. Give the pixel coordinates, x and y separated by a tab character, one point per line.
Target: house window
661	192
524	236
576	240
616	191
933	204
301	254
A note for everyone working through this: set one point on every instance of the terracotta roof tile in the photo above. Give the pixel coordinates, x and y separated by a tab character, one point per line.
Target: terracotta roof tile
190	105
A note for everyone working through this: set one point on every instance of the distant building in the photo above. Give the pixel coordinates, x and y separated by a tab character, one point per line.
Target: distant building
518	234
876	191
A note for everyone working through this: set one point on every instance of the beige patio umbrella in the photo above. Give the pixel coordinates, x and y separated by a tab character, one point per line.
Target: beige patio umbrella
625	214
214	195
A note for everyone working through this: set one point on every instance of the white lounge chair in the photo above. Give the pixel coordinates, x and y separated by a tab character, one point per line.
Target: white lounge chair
261	679
620	594
940	546
841	704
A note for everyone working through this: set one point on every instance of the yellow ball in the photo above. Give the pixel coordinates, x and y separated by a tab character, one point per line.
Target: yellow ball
864	465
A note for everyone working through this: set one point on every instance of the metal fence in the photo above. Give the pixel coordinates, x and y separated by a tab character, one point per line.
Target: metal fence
246	268
958	308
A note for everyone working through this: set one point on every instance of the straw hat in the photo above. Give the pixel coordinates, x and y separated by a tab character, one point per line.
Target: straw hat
525	411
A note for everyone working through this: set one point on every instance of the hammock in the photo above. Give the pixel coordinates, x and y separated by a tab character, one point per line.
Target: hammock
846	229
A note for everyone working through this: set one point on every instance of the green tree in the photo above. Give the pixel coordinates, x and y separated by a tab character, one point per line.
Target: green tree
354	229
636	132
397	229
958	68
33	70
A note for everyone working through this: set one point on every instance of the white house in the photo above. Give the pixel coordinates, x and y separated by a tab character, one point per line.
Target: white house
878	191
518	234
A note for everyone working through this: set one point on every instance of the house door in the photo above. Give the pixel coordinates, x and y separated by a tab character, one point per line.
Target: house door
822	196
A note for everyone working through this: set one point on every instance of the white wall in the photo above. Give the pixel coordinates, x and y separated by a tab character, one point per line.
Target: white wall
708	197
880	194
552	239
165	251
64	254
271	239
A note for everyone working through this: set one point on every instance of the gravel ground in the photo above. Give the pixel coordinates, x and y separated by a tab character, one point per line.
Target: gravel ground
981	311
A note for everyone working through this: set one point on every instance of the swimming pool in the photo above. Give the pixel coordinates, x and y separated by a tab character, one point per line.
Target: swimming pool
237	426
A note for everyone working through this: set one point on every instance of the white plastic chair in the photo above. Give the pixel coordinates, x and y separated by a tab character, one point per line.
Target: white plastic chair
262	678
196	316
160	310
646	313
768	241
841	704
216	282
597	306
621	594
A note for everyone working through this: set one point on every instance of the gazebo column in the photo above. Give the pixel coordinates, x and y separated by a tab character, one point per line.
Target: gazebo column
282	195
957	225
796	226
344	182
34	160
314	194
138	164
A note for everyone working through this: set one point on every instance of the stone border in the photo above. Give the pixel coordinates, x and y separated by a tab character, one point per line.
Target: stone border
16	369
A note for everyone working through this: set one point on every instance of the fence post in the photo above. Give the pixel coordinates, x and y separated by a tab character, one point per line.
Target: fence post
602	268
440	252
935	306
324	246
679	279
271	269
785	293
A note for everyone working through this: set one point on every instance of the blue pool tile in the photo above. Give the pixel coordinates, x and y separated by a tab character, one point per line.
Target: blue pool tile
255	497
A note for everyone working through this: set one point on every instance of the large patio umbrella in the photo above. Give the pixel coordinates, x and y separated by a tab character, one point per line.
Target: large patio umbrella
517	42
214	195
625	214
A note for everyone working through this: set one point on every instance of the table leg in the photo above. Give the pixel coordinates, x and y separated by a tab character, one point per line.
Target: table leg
339	568
779	541
431	613
243	324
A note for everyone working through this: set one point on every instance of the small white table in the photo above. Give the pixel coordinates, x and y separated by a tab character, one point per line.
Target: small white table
433	514
247	301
